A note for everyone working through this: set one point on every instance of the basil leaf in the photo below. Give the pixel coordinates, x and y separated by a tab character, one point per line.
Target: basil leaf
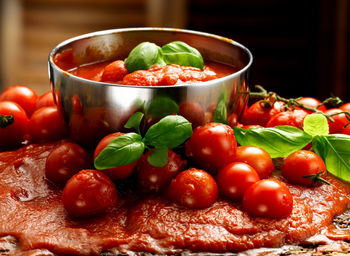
158	157
334	150
120	151
134	121
220	115
162	106
316	124
144	56
170	132
278	141
180	53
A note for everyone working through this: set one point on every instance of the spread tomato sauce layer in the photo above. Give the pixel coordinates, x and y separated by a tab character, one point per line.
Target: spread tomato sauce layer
32	211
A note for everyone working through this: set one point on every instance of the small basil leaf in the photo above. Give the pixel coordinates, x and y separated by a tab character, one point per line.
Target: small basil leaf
144	56
279	141
122	150
334	150
170	132
316	124
161	107
220	115
134	121
180	53
158	157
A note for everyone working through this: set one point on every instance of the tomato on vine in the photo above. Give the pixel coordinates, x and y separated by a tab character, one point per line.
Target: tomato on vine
292	117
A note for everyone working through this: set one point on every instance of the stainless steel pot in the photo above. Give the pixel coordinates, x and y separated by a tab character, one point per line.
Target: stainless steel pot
94	109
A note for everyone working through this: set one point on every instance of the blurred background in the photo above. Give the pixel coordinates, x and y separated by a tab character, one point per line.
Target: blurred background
300	48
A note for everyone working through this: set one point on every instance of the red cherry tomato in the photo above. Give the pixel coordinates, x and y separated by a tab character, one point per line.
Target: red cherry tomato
193	112
268	198
89	193
155	179
119	172
193	188
248	126
340	120
311	103
45	100
14	133
257	158
292	117
64	161
235	178
47	124
345	107
212	146
22	95
303	163
260	113
114	72
232	120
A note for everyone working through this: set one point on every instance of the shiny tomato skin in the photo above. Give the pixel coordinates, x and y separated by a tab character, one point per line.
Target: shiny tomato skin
257	158
302	163
259	114
292	117
268	198
156	179
64	161
119	172
312	103
340	120
249	126
22	95
193	188
193	112
15	133
235	178
345	107
45	100
89	193
47	124
232	120
212	146
114	72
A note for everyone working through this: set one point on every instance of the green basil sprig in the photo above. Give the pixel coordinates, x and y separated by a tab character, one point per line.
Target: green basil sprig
169	132
280	141
146	55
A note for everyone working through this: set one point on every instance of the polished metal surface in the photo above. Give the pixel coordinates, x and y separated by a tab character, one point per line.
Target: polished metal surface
94	109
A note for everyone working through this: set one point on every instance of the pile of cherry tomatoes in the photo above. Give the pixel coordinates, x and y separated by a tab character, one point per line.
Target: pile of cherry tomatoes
211	165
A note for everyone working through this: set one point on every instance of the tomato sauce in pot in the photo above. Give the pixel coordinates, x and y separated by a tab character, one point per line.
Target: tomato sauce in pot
31	210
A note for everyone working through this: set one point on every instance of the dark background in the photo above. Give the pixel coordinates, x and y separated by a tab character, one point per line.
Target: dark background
300	48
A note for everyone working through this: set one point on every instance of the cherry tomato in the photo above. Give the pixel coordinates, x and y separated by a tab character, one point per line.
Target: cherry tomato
232	120
292	117
248	126
22	95
345	107
257	158
155	179
312	103
14	133
212	146
303	163
45	100
235	178
64	161
193	112
340	120
268	198
119	172
89	193
260	113
47	124
193	188
114	72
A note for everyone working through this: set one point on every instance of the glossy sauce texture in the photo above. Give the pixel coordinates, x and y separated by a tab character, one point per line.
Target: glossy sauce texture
32	211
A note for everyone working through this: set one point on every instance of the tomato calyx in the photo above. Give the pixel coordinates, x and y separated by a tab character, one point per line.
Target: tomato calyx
317	177
6	120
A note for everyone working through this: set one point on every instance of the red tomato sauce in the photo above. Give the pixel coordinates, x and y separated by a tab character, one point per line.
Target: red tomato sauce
32	211
116	72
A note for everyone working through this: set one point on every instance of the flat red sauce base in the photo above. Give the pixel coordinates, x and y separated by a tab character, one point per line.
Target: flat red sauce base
31	210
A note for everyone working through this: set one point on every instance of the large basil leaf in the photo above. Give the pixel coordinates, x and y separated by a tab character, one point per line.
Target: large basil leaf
120	151
170	132
144	56
334	150
180	53
279	141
